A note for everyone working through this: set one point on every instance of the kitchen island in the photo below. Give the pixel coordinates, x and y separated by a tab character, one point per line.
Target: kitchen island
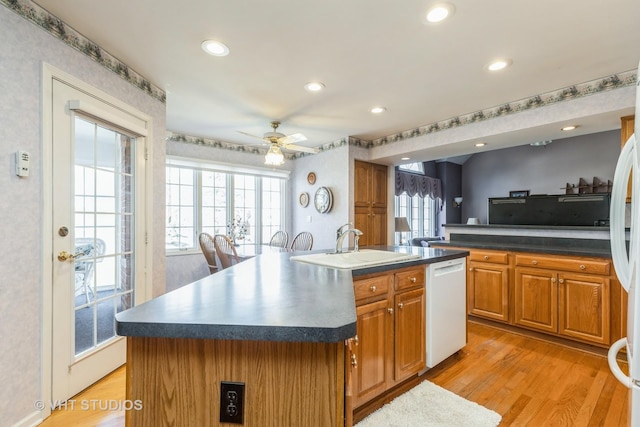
276	325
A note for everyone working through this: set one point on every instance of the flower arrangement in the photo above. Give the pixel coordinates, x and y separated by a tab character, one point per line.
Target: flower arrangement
237	229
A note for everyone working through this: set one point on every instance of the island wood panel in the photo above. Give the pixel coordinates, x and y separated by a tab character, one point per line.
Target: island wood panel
488	290
286	384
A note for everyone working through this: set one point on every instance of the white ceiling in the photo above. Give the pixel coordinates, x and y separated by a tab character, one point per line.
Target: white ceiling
366	52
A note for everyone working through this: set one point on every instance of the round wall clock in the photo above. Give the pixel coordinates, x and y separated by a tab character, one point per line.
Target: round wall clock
304	199
323	200
311	178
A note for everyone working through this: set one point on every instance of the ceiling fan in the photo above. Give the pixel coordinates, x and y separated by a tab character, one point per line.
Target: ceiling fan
278	140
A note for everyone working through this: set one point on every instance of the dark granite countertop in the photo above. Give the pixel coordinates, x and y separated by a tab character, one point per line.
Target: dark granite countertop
550	245
268	297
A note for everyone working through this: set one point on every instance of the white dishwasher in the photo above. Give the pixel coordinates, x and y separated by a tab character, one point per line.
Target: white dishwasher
446	307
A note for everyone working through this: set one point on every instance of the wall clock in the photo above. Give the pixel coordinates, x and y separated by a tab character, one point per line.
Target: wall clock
323	200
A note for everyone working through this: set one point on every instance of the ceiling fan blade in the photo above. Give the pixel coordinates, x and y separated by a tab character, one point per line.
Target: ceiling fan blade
293	138
300	148
248	134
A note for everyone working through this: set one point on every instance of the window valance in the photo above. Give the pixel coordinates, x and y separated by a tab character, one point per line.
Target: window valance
421	185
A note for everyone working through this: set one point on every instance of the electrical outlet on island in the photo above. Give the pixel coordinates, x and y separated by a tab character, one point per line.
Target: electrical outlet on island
231	402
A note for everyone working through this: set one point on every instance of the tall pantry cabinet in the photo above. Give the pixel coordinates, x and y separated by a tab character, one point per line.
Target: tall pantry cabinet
370	200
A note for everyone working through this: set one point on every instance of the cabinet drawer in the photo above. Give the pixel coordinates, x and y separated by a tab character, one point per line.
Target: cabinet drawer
372	287
409	278
489	256
565	264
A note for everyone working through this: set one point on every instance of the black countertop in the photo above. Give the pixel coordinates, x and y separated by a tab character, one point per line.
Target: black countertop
268	297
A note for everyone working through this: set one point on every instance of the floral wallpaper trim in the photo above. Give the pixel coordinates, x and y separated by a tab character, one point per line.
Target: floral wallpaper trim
252	149
34	13
615	81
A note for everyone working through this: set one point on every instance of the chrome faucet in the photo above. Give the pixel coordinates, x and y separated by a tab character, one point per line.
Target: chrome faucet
341	229
356	233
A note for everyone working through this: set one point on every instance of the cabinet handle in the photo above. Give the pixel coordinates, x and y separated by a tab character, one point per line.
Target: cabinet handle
534	262
582	267
553	280
355	340
373	288
486	257
354	361
413	280
390	310
400	306
470	268
561	281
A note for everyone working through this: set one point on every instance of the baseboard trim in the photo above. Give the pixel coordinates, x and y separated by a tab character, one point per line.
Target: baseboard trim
31	420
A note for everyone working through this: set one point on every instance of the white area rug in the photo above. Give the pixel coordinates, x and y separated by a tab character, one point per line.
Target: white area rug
430	405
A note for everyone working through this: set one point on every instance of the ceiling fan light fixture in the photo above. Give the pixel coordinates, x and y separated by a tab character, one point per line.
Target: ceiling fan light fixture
274	156
314	86
215	48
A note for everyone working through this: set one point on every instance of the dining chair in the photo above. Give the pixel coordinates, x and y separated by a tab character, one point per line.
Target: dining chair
302	242
209	251
92	251
225	250
279	239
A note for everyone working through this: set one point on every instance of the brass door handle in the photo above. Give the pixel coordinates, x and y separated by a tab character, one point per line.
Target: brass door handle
66	256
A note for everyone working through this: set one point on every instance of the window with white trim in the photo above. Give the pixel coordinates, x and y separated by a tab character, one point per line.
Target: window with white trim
208	197
420	213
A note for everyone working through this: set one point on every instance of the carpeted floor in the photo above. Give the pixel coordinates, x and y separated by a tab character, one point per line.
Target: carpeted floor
85	318
430	405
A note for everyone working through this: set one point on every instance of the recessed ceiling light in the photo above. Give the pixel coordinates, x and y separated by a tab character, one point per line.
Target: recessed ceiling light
499	64
439	12
405	158
481	144
314	86
215	48
570	127
540	143
378	110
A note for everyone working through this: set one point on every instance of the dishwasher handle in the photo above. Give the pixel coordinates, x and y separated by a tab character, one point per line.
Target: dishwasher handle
448	269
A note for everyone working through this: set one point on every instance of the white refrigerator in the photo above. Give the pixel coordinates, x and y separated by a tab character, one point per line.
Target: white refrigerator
626	261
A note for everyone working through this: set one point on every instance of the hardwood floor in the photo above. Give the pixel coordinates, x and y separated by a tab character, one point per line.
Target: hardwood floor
528	381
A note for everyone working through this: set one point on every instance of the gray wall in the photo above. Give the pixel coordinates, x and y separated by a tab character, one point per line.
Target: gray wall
23	50
541	170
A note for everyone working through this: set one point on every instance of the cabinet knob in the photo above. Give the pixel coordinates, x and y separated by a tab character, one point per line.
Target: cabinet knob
400	306
373	288
390	310
582	267
413	280
553	280
486	257
470	268
561	281
355	340
354	361
534	262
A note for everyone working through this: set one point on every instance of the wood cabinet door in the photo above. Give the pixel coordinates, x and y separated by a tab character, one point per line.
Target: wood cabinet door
378	226
362	182
373	350
488	291
536	299
584	307
379	186
362	221
410	333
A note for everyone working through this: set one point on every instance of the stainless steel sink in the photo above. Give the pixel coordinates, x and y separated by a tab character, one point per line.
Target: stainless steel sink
350	260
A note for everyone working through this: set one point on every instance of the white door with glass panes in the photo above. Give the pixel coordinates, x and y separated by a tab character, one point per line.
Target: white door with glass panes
98	223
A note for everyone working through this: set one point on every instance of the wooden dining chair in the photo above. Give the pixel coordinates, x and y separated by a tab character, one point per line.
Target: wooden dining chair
209	251
279	239
225	250
302	242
